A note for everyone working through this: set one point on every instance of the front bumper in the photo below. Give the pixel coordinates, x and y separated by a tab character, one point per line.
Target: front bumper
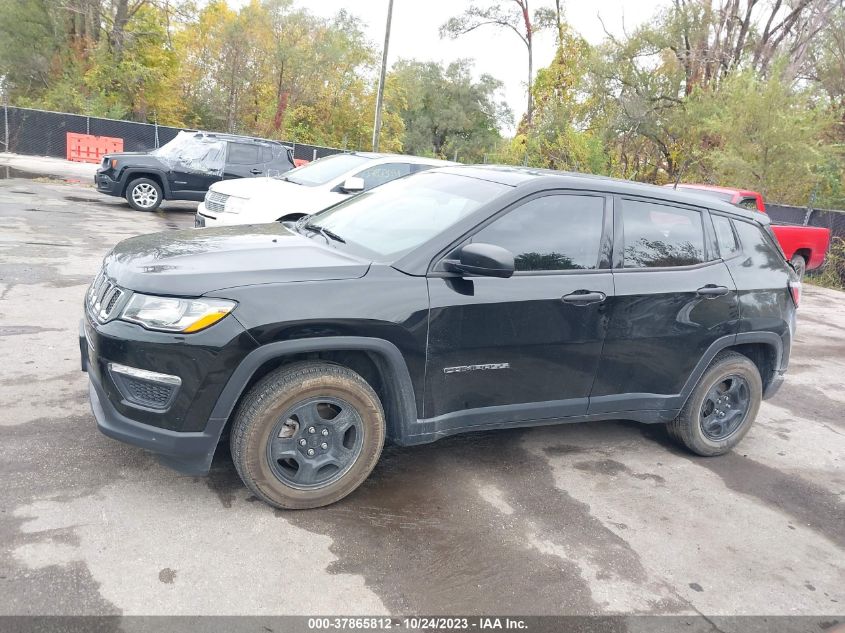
774	385
189	453
184	435
205	218
105	184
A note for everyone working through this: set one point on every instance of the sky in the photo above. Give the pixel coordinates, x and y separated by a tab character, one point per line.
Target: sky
500	53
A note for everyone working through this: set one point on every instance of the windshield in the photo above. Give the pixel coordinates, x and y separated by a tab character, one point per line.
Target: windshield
193	152
325	169
393	219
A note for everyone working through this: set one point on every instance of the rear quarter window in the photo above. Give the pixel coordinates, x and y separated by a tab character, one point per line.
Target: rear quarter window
757	245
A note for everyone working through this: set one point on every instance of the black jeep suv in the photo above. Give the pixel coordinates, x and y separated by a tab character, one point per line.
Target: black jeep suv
458	299
187	166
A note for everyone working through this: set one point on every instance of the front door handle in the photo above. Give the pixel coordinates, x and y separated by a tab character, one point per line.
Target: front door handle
584	297
711	290
255	172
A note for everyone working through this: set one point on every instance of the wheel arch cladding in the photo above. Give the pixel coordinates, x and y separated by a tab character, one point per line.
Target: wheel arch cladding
133	175
764	349
764	355
378	361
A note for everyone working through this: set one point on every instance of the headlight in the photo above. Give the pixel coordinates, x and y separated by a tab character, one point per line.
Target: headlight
235	205
170	314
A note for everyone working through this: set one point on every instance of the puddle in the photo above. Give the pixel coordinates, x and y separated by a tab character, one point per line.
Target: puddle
82	199
7	173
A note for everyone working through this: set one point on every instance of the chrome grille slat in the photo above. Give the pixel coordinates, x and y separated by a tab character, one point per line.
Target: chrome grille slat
109	302
104	297
216	202
98	300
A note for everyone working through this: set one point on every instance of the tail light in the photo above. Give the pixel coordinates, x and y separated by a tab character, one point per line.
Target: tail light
795	291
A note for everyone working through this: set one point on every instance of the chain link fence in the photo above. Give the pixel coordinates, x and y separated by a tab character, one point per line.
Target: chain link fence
44	133
827	218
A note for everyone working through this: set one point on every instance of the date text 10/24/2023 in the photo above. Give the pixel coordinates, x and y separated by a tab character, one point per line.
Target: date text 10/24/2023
416	623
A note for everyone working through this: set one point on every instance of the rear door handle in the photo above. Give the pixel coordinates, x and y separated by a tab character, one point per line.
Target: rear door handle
584	297
711	290
256	171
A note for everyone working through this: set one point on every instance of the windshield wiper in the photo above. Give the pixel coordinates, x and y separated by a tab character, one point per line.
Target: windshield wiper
324	232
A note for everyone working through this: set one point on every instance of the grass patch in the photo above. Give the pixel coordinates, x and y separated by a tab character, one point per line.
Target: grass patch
832	274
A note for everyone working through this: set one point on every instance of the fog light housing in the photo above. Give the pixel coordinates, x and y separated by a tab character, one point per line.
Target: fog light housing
143	388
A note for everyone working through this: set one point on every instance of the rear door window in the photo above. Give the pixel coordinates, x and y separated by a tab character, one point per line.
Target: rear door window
660	235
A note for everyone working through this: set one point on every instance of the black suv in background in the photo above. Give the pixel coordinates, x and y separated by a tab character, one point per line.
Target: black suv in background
457	299
187	166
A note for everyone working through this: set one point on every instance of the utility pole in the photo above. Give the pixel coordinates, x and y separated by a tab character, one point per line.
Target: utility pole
380	94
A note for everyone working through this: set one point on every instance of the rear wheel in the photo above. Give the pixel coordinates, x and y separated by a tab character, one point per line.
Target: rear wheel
799	264
143	194
307	435
721	408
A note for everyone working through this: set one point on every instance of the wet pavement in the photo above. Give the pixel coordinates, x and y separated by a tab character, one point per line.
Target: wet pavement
578	519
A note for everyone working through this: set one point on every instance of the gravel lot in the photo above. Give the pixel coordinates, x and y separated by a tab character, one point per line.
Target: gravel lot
577	519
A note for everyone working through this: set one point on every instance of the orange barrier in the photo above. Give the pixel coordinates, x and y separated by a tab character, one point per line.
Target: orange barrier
84	148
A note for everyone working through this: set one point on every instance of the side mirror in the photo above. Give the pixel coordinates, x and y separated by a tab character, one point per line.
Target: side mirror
484	260
353	185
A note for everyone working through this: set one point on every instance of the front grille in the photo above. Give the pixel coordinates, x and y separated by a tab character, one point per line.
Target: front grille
103	298
216	202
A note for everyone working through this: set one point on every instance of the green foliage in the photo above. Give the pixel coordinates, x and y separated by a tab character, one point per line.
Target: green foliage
444	111
763	135
680	97
705	91
267	68
832	275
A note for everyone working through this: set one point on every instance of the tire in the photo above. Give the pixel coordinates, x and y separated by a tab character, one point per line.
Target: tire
710	406
288	414
799	264
144	194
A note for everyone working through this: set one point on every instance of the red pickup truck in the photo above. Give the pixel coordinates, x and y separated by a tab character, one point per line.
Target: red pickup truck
804	246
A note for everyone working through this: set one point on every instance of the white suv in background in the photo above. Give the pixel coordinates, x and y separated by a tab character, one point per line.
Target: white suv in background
304	190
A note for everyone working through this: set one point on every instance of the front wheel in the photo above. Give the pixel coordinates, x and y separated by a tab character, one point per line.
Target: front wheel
307	435
143	194
721	408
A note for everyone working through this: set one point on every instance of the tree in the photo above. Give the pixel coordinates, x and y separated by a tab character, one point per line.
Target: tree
765	136
514	16
562	137
445	112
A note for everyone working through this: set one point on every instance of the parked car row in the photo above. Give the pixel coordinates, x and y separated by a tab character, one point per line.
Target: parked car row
187	166
449	300
304	190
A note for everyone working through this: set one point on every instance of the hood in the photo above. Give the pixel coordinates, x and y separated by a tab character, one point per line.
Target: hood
255	187
272	198
124	154
136	159
193	262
